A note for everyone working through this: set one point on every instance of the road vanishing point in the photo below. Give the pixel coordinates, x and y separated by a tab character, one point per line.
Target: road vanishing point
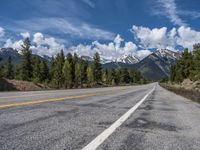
145	117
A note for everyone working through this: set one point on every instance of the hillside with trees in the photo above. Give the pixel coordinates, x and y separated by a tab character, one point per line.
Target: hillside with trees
68	71
187	67
185	75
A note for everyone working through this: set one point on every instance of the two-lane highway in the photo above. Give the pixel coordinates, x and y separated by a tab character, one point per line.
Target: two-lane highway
132	117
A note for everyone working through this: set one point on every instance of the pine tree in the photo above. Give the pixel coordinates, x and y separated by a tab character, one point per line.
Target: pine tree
186	63
36	70
196	62
9	73
179	76
97	68
26	64
77	74
84	66
52	69
125	75
67	74
1	71
105	76
71	61
75	61
184	67
58	74
18	72
62	57
90	75
44	71
173	73
118	76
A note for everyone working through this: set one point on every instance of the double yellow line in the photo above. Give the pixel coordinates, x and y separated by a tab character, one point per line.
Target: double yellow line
55	99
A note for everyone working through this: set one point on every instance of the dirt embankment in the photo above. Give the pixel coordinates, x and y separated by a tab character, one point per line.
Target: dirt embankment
188	89
16	85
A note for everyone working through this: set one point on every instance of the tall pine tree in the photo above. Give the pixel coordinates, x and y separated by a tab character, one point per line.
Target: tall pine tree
26	63
67	74
9	72
97	68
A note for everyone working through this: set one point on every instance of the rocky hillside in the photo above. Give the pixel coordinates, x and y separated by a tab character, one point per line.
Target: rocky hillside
16	85
157	65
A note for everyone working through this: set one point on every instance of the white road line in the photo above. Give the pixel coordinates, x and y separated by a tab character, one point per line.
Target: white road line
106	133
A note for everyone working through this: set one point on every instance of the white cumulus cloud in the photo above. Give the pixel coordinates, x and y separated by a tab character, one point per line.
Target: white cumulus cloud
41	45
165	38
45	45
150	38
111	51
13	44
187	37
25	34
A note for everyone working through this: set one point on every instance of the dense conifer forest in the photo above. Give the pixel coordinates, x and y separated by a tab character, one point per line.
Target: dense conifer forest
187	67
68	71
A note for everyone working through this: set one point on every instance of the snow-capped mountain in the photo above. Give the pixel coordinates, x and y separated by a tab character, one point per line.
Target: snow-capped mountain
157	65
86	58
9	52
16	56
162	53
129	59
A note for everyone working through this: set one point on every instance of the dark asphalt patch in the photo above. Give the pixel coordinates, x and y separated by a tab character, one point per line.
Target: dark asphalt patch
106	123
91	105
133	142
143	123
167	109
147	107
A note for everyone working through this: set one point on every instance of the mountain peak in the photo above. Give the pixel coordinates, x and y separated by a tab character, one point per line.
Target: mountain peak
129	59
9	49
167	53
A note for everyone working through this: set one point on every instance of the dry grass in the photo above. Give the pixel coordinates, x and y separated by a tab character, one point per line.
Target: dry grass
16	85
188	93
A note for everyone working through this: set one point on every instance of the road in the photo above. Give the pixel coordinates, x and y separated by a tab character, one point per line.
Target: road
145	117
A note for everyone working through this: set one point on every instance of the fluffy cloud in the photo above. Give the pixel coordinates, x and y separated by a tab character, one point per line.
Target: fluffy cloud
111	51
150	38
14	44
25	34
41	45
164	38
45	45
187	37
145	38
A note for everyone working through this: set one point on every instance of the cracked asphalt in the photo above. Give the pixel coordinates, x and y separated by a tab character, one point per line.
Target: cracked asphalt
164	121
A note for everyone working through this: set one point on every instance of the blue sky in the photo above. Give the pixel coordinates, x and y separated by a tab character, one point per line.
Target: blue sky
84	26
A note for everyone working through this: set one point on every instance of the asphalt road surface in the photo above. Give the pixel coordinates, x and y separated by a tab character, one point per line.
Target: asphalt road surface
145	117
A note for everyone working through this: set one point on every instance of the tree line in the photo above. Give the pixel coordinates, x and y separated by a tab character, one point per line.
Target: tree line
187	67
66	71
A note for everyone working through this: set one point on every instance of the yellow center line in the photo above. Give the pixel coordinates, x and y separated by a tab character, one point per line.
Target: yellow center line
31	95
55	99
21	96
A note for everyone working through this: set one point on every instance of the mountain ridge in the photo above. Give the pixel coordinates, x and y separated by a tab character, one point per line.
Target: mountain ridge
153	67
